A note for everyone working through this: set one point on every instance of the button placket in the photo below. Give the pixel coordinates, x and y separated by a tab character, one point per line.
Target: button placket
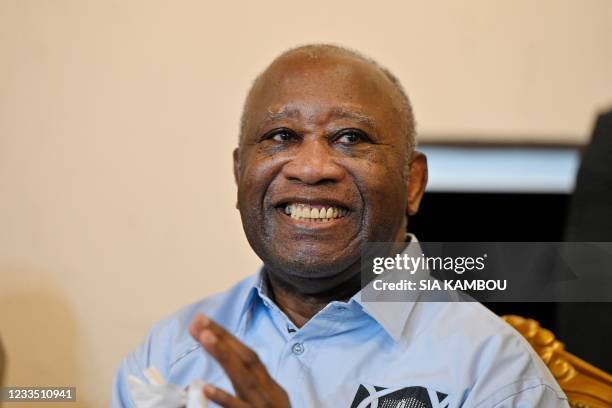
297	348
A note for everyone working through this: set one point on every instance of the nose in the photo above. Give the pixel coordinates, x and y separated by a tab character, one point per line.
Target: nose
313	163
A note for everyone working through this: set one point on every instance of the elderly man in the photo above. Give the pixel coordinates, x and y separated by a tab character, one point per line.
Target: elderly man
325	164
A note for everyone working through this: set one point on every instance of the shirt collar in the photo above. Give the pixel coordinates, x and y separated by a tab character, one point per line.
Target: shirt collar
257	291
392	316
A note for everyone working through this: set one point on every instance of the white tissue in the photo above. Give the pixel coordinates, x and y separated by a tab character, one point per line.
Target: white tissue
158	394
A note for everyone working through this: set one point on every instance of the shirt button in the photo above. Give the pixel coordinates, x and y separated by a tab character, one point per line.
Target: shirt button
298	348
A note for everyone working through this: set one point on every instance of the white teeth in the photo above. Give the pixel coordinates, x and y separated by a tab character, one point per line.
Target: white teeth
316	214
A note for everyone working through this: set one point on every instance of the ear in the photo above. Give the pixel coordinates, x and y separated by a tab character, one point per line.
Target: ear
417	181
236	156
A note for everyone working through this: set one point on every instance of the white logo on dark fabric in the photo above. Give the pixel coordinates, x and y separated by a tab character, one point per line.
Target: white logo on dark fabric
371	396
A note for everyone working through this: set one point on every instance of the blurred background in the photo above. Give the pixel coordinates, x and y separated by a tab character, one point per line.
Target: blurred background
118	118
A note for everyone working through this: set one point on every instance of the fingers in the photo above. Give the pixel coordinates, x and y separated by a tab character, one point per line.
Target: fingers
253	385
248	356
246	373
222	398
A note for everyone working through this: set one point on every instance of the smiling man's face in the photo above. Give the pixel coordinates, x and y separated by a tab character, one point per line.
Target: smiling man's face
321	167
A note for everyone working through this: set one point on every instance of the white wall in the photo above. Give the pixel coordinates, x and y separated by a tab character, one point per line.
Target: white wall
117	121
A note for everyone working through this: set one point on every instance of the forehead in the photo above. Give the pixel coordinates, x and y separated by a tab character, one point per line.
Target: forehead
322	85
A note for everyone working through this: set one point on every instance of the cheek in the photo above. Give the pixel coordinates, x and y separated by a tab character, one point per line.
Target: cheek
384	192
256	176
388	197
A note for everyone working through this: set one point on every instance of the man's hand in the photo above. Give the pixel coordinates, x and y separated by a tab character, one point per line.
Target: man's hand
253	385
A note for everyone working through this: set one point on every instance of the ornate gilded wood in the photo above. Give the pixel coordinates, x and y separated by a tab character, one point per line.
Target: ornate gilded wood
585	385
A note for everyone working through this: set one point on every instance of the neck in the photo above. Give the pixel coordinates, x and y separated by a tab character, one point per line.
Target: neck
300	308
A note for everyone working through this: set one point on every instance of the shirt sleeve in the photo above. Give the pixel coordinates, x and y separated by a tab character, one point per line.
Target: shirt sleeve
121	397
526	396
153	351
133	364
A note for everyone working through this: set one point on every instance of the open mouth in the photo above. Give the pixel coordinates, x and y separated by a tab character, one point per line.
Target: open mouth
313	212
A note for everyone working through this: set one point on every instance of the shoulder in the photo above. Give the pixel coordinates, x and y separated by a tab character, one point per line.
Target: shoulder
495	361
168	340
225	308
464	321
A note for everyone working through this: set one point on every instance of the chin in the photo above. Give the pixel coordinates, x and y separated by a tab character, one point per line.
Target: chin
314	261
313	278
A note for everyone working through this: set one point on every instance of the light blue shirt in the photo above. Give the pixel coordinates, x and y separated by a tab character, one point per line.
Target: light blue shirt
357	354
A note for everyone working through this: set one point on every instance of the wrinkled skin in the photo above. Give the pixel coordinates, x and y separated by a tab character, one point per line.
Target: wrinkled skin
329	130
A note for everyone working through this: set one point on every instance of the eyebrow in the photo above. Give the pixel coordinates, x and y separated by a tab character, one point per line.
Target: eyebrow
342	112
336	112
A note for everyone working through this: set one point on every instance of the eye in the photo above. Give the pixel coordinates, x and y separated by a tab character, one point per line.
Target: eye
282	135
350	137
